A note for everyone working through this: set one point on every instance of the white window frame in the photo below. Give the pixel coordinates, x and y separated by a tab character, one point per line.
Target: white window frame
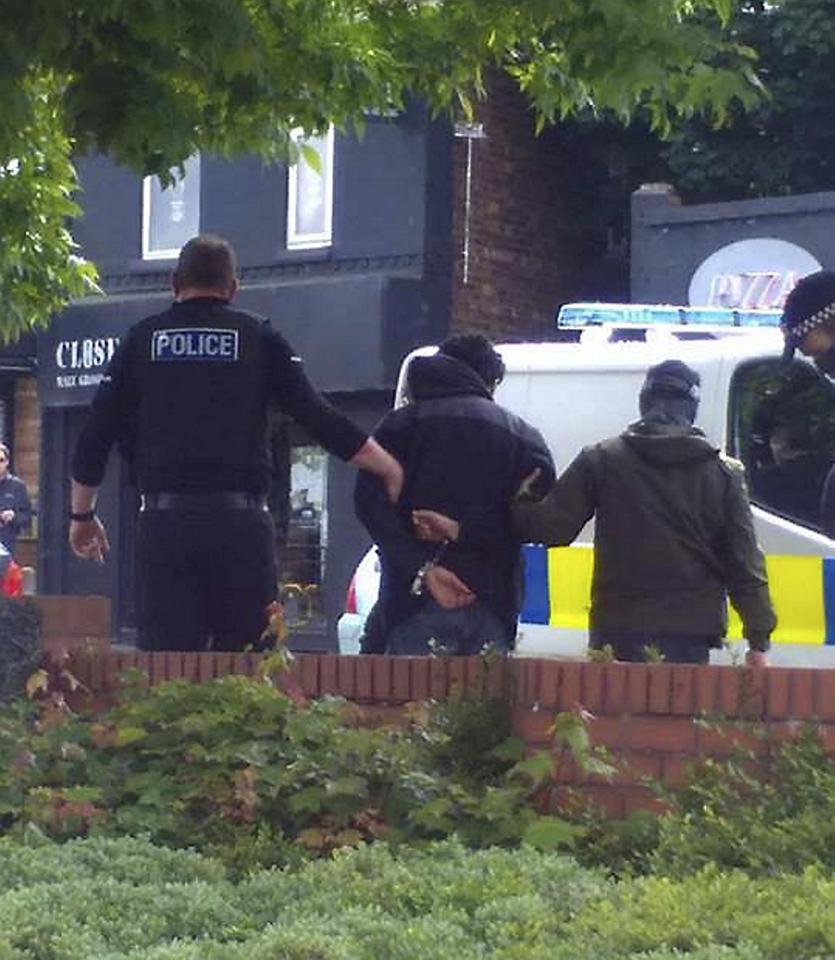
310	241
164	254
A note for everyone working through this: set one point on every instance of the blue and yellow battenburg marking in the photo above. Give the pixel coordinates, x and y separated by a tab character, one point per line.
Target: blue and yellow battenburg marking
558	585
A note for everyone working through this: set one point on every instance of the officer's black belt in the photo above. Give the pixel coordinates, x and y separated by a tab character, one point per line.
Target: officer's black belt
203	502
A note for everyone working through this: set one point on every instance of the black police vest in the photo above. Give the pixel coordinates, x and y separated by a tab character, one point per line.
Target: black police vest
202	413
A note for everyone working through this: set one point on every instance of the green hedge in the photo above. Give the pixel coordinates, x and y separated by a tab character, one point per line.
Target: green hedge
128	900
126	860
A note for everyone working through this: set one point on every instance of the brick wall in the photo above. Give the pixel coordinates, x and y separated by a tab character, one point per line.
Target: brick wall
27	433
27	457
527	246
69	621
650	717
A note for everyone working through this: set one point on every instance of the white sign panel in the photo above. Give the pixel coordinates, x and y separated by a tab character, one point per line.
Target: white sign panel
750	274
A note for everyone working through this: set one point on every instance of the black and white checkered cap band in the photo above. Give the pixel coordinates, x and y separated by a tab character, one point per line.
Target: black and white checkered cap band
797	331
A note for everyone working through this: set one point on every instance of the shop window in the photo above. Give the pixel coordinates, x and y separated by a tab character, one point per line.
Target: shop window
783	430
170	215
303	561
310	194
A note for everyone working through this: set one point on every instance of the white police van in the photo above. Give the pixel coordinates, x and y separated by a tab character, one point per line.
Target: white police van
779	421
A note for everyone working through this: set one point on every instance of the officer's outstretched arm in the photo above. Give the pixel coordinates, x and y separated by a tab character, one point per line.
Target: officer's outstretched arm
377	460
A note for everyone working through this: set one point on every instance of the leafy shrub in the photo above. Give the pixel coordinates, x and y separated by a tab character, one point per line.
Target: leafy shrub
409	905
412	882
623	847
766	817
770	820
476	739
86	917
439	903
785	918
19	644
125	860
240	770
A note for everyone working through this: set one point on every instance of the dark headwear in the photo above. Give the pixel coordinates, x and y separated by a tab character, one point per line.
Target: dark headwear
479	355
810	304
673	386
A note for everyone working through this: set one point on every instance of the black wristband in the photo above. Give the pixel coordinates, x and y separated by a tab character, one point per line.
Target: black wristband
85	517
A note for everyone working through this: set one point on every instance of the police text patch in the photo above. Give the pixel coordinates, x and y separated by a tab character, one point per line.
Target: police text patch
195	343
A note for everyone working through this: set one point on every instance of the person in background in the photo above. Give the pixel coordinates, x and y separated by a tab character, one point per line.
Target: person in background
808	325
791	483
463	455
673	536
15	506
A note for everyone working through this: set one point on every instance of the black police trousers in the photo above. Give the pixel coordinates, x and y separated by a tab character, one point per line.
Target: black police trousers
204	579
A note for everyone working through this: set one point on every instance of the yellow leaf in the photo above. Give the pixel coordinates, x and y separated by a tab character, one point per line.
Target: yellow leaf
312	838
38	681
347	838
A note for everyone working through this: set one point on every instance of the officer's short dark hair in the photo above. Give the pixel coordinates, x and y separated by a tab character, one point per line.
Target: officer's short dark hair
206	261
478	353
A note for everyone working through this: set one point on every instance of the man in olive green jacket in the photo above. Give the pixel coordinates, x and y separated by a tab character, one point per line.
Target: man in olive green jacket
673	534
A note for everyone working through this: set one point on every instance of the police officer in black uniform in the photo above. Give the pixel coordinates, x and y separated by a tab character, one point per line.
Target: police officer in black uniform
188	390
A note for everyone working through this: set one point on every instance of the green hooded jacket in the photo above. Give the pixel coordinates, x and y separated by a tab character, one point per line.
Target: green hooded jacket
674	534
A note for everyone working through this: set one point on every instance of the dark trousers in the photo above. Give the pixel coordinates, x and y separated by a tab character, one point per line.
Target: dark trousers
463	632
681	648
204	580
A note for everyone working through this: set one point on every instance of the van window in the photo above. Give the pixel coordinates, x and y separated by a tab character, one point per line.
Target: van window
783	430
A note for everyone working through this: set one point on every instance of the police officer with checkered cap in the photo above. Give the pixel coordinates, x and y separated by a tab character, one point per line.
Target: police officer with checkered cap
188	392
808	321
808	325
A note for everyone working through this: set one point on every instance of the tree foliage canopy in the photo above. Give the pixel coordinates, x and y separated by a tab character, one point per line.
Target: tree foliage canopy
152	81
785	143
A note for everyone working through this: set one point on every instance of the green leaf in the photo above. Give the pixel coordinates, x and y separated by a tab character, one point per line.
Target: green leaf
550	833
125	736
311	157
538	769
347	786
512	749
308	800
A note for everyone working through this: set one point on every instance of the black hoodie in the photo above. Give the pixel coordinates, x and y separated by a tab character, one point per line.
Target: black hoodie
673	534
465	456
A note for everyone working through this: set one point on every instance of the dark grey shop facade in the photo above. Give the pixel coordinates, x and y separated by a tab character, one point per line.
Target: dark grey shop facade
372	283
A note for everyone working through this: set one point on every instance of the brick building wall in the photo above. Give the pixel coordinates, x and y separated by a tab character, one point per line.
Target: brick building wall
27	434
653	719
27	457
528	248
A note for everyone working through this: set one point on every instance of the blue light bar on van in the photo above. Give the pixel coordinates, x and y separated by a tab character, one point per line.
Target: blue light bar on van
651	314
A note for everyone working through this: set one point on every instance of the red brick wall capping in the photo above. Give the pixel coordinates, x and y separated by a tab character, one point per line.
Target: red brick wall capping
652	720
